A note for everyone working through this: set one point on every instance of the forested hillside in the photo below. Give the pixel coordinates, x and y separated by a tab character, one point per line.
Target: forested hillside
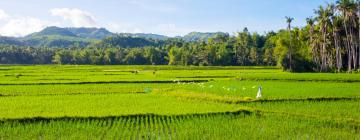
81	37
243	49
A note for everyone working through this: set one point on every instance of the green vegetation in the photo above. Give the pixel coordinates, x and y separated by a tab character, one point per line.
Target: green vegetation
176	102
102	106
82	37
198	36
221	126
276	89
219	49
330	109
199	86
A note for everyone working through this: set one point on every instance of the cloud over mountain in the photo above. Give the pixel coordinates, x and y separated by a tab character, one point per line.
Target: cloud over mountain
77	17
21	26
3	15
17	25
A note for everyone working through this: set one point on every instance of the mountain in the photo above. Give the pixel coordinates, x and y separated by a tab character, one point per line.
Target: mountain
89	33
92	33
66	37
199	36
129	41
49	31
11	41
57	41
145	35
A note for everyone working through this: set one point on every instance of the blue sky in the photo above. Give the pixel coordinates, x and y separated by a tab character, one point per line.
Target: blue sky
167	17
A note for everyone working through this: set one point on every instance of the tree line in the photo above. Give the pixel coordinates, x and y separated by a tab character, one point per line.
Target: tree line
245	49
329	42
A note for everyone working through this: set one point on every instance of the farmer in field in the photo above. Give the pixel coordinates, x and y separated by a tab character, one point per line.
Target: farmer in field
259	93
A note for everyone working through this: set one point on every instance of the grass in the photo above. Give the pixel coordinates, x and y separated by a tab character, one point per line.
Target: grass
333	109
175	102
71	74
219	126
59	89
103	105
277	89
228	88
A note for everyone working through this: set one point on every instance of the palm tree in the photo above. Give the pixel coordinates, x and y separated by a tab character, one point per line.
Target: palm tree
347	9
310	21
289	21
324	22
336	27
358	16
312	42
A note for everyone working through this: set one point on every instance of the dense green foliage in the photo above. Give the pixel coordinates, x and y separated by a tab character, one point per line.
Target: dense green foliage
145	35
329	41
244	49
57	40
68	37
200	37
129	42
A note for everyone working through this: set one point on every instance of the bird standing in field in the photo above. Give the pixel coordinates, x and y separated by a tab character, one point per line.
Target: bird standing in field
259	93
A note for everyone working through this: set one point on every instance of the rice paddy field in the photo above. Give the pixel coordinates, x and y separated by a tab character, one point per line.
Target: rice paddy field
176	102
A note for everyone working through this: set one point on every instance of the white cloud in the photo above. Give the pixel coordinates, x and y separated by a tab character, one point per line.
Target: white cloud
17	25
23	26
77	17
3	15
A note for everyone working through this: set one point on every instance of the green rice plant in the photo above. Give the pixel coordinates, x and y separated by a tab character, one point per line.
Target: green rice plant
35	90
85	105
274	89
327	109
221	126
175	102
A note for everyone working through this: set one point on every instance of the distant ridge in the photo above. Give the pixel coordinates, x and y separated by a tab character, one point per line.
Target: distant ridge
65	37
90	33
199	36
145	35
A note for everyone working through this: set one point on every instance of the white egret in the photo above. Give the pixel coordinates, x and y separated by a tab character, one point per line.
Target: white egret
259	93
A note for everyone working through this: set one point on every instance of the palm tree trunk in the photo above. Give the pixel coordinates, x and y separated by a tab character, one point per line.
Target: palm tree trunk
358	47
290	48
323	53
338	53
353	51
313	47
359	54
323	49
354	44
348	45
